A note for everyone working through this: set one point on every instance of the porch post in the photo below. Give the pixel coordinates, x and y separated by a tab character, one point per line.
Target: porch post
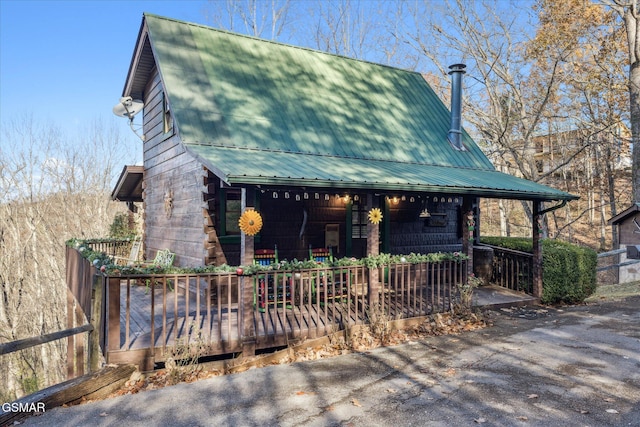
247	201
468	227
537	249
373	248
245	283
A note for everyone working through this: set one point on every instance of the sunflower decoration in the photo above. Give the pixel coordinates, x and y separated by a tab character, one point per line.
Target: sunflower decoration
375	216
250	222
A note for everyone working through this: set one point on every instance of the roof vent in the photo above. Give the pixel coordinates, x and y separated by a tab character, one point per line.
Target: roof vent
455	133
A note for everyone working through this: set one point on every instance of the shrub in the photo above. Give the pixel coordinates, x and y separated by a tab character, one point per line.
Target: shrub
119	228
568	271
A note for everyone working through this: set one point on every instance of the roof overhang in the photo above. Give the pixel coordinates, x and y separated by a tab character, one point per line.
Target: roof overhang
142	63
266	168
129	185
624	214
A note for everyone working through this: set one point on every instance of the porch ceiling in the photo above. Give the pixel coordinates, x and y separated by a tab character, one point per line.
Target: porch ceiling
261	167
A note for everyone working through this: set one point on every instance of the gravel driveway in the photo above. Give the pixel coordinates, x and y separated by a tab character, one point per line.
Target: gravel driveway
575	366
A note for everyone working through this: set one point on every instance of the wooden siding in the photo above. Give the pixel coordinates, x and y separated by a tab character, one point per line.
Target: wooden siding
283	220
628	231
438	233
170	172
214	254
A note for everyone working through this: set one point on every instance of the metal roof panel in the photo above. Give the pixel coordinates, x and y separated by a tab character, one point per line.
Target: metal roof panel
257	110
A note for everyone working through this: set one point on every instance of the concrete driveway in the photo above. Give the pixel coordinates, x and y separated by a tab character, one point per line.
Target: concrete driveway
575	366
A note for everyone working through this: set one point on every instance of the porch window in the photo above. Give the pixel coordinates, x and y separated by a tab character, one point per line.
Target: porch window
232	211
358	221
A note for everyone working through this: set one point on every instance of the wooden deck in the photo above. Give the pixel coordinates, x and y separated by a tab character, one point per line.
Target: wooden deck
205	311
141	318
145	317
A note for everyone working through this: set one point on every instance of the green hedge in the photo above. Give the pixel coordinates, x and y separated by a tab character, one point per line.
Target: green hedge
568	271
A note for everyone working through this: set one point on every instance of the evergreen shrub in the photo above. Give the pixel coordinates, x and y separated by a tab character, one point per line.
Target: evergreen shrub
568	271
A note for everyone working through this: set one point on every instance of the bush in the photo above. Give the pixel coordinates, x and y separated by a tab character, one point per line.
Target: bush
119	228
568	271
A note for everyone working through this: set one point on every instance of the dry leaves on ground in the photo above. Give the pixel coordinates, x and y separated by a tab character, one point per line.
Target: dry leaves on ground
361	340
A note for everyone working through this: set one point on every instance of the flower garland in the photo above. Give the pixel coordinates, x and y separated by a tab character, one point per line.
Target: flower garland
250	222
375	216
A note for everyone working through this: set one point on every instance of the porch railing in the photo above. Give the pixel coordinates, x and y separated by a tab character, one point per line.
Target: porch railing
145	317
512	269
112	247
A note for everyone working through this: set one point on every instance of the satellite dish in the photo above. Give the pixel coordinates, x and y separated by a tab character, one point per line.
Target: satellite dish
128	107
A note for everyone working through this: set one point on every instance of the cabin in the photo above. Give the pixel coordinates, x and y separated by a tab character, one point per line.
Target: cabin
326	152
628	250
256	152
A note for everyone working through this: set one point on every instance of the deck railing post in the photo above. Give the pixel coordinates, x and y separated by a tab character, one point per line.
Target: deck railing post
113	314
247	332
96	317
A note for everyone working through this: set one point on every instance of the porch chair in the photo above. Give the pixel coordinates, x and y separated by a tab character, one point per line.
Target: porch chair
320	255
164	258
134	253
266	256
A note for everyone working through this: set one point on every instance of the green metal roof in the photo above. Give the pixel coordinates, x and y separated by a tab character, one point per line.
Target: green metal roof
259	112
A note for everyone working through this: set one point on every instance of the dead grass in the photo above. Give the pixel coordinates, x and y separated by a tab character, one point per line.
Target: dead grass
615	292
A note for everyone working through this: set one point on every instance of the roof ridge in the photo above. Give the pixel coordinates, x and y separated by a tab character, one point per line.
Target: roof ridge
278	43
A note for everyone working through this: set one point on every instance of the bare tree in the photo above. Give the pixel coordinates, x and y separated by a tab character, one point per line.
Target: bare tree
628	11
51	189
259	18
522	85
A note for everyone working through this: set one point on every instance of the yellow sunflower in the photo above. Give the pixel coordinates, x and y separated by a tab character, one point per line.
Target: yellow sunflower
250	222
375	216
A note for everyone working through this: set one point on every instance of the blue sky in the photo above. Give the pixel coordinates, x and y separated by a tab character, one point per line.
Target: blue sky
65	62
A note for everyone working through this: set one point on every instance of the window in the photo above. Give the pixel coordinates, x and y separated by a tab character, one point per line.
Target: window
232	210
358	221
167	121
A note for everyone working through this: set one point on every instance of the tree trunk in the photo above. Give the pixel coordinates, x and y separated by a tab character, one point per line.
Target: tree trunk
631	17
